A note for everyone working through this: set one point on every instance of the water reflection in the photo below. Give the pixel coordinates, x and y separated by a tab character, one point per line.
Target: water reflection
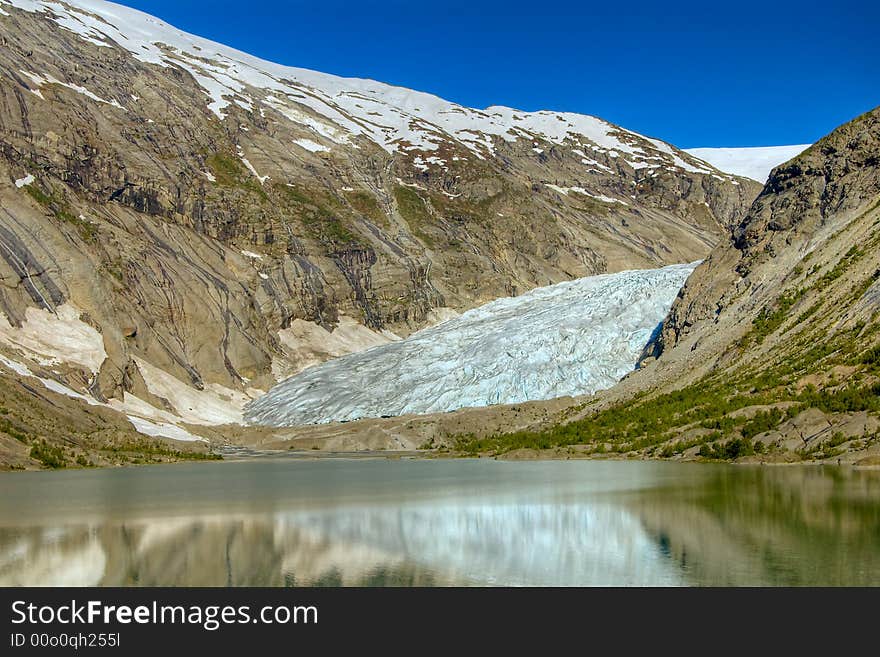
792	526
453	522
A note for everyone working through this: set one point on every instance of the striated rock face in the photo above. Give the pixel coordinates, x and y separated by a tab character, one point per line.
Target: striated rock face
192	203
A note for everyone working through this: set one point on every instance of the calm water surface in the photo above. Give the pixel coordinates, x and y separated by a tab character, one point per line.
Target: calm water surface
289	522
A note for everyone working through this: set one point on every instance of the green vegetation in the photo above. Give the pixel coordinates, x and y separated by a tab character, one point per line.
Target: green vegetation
145	450
320	213
640	424
115	268
38	195
761	422
50	456
413	209
850	399
230	172
768	321
706	410
771	319
731	449
61	210
366	204
851	256
10	429
226	169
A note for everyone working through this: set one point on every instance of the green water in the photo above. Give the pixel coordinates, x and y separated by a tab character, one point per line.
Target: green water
289	522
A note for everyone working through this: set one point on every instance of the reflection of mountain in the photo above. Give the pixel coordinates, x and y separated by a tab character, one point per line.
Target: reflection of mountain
771	526
507	544
544	523
196	552
539	544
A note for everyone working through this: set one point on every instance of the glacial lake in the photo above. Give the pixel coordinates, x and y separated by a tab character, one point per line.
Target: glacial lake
287	521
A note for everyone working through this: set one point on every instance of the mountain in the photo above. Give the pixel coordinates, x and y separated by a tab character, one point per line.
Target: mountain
772	349
184	225
755	163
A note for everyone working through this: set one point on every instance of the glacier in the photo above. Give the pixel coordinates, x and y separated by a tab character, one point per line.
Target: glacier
572	338
750	162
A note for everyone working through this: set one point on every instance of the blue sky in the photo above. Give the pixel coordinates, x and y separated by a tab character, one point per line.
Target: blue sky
693	73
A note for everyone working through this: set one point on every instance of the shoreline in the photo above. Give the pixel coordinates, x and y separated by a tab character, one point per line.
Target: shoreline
248	455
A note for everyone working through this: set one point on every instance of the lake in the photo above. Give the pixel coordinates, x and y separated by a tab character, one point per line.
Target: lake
286	521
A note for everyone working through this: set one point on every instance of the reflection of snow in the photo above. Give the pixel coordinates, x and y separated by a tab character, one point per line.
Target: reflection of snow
53	563
463	521
498	542
566	339
503	544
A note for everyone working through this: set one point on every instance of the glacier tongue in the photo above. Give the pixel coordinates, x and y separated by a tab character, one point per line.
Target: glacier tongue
571	338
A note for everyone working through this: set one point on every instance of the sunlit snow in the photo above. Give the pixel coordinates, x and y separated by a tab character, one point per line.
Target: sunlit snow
566	339
341	110
755	163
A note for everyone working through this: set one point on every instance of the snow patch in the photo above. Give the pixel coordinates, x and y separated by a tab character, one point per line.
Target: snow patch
584	192
590	162
144	417
135	408
54	338
214	405
23	370
48	79
306	344
312	146
250	167
27	180
15	366
161	429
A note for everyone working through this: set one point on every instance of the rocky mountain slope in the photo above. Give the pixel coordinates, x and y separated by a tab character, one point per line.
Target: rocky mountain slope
771	349
199	223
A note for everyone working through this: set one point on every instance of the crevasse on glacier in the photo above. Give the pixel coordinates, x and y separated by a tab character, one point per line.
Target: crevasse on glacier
571	338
